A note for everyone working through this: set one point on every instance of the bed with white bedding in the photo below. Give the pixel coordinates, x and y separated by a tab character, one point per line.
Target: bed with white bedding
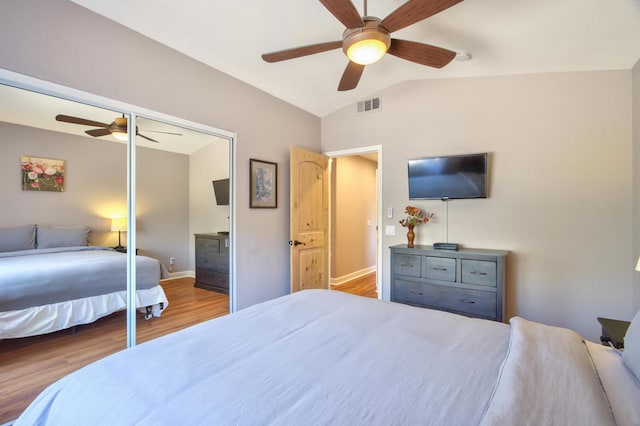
57	286
322	357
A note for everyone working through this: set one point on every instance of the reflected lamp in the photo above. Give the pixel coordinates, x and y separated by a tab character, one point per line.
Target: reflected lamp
119	224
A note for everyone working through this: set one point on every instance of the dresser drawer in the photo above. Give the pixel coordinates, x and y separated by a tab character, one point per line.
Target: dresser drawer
472	302
219	263
479	272
212	276
439	268
409	292
407	264
207	246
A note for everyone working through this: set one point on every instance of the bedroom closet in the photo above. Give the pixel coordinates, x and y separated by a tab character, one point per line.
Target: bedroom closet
152	191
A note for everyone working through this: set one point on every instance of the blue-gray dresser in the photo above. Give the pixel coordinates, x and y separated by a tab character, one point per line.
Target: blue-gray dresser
470	282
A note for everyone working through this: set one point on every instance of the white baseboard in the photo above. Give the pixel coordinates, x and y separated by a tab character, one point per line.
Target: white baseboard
353	275
181	274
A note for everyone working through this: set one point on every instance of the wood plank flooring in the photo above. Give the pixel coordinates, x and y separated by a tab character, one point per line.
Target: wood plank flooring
30	364
363	286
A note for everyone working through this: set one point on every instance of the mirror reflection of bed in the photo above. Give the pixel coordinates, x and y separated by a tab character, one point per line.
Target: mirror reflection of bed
172	204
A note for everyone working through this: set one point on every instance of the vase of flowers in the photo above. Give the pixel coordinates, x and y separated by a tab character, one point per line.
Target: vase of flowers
415	216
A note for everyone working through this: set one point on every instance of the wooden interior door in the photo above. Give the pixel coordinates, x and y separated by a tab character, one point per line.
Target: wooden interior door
309	220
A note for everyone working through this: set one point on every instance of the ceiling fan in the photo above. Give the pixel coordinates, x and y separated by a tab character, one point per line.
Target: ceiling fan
118	128
366	39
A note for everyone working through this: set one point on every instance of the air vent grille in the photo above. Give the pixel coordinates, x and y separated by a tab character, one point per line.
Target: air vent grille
369	105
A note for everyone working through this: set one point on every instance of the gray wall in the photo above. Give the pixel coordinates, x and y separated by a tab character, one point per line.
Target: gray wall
58	41
95	190
353	238
560	181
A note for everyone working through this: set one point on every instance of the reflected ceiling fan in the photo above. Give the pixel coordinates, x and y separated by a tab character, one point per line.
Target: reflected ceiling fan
118	128
366	39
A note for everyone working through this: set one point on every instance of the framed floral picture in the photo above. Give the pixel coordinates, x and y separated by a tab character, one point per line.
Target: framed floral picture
263	181
42	174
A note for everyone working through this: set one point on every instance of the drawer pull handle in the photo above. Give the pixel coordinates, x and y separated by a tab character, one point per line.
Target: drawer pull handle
477	273
419	293
406	265
440	269
466	301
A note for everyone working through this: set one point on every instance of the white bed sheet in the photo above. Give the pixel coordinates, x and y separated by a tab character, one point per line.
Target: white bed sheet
322	357
548	378
59	316
315	357
622	387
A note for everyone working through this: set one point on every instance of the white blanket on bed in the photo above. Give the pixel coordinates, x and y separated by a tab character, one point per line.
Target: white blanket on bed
323	357
548	378
313	358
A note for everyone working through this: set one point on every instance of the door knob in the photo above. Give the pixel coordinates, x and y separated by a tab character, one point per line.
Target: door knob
296	243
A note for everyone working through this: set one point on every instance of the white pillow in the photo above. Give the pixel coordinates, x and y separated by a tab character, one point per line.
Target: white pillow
631	353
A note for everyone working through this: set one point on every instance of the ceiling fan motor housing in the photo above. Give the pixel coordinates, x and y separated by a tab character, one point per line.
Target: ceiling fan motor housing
373	33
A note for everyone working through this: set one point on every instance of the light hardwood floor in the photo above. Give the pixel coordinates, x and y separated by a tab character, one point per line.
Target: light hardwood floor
362	286
28	365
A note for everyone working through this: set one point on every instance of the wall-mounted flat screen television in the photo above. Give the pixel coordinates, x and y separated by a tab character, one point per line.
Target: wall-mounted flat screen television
448	177
221	191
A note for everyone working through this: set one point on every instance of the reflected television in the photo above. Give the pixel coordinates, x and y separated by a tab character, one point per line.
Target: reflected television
448	177
221	191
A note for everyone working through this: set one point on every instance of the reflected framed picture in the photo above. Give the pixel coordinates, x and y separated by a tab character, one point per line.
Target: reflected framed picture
264	184
42	174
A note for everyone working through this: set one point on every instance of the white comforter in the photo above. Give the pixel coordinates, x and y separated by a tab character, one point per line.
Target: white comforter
312	358
548	378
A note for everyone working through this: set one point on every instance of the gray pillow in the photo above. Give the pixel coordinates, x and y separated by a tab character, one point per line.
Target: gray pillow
18	238
62	236
631	353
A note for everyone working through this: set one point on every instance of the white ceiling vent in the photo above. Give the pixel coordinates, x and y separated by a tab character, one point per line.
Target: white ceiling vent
369	105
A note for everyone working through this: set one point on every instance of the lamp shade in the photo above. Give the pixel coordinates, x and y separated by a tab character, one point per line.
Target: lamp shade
118	224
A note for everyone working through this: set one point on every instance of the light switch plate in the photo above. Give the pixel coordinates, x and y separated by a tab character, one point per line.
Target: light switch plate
390	212
390	230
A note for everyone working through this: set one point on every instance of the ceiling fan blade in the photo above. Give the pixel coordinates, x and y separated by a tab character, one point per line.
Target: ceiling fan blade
345	12
147	138
423	54
77	120
415	11
298	52
98	132
350	77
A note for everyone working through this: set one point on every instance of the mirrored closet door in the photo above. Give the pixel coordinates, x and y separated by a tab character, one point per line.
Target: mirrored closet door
178	170
68	195
64	191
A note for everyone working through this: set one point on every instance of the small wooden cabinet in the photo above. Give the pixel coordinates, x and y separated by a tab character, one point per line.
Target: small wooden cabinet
466	281
212	262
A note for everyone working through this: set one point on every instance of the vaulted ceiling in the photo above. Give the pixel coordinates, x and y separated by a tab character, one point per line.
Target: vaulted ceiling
502	37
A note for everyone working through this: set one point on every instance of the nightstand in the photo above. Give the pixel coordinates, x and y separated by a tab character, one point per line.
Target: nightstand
123	250
613	332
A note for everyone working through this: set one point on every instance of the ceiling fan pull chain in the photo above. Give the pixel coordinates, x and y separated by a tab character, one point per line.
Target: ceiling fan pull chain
365	8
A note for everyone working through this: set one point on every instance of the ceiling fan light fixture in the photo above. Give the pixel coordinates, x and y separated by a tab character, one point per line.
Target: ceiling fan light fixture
365	46
120	135
119	129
